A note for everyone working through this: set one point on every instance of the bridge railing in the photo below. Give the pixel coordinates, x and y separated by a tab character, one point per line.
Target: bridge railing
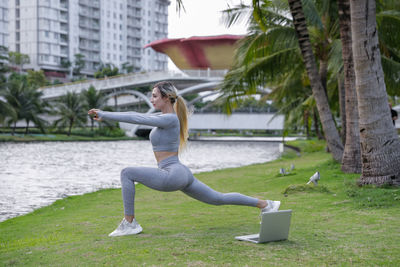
206	73
126	80
108	82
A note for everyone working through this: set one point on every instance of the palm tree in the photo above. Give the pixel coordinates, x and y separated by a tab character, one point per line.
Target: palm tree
272	53
380	145
25	102
6	110
31	107
93	99
351	161
13	94
72	111
3	63
331	133
388	22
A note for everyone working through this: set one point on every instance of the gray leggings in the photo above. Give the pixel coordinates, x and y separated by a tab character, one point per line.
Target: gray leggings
171	175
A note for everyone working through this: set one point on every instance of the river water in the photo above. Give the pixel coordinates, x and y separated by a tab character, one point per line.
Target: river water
34	175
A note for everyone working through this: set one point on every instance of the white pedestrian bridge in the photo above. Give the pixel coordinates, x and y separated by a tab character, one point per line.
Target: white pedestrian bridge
201	80
218	121
188	81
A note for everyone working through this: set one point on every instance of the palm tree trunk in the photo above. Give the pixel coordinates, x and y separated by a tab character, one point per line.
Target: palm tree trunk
316	125
380	145
351	161
323	73
13	130
27	127
306	125
71	122
91	124
342	108
328	125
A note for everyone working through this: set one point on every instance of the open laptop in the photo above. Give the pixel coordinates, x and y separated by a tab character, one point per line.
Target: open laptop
274	227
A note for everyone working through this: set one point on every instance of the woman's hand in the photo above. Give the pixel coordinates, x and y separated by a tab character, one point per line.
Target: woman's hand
94	112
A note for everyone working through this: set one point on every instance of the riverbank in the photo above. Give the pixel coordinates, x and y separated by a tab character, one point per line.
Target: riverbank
59	138
335	223
79	134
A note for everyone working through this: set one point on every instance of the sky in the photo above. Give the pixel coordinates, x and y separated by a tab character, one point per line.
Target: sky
202	18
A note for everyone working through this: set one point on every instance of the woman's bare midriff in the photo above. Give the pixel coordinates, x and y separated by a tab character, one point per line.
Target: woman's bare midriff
160	155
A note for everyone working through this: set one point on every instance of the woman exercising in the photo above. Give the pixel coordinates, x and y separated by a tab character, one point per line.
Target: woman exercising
167	138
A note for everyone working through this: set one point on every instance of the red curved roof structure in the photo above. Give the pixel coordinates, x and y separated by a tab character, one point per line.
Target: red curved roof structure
206	52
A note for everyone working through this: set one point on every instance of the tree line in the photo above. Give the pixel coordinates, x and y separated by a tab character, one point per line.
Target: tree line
20	99
318	57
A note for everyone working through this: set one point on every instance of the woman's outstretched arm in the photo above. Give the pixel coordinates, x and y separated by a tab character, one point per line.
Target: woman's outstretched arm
161	120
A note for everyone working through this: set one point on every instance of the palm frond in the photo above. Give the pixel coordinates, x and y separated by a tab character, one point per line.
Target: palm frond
260	45
269	13
258	15
335	63
311	13
236	14
388	23
391	70
267	68
180	6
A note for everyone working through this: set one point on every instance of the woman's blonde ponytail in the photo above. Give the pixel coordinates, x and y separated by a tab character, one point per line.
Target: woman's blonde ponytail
167	89
182	113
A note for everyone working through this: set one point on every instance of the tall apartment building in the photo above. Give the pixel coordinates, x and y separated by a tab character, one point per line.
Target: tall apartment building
103	31
3	22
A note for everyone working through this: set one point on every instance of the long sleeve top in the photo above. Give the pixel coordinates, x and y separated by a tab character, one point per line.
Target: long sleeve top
165	135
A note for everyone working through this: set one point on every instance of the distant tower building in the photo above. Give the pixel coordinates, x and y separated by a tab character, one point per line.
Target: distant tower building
154	27
3	22
52	32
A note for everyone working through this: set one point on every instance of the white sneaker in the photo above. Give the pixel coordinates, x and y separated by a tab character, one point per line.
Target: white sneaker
272	206
127	228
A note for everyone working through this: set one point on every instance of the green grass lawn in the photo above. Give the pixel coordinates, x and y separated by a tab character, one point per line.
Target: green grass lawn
334	224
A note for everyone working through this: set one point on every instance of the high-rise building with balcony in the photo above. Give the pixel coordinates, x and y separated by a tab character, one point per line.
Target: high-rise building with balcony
3	22
52	32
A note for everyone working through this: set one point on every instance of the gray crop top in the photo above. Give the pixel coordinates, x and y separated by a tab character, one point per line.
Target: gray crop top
165	135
